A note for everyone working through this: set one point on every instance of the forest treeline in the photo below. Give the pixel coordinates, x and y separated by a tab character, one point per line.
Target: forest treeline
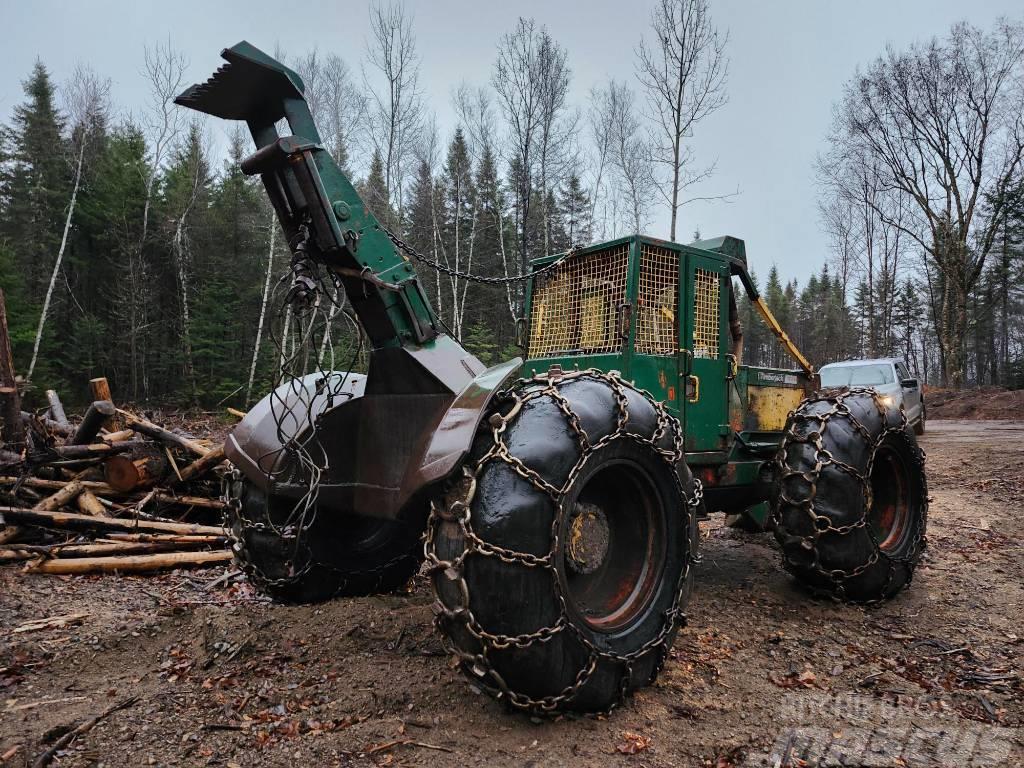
131	248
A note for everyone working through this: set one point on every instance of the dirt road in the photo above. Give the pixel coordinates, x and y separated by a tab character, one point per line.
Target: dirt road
763	675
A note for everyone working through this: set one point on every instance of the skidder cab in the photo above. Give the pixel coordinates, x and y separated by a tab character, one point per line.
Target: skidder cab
557	511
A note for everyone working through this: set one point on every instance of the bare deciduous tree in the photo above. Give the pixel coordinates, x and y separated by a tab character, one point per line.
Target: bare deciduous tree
684	72
396	111
85	102
628	154
339	106
945	123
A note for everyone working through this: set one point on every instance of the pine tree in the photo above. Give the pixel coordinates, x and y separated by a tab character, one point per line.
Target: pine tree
374	191
34	187
574	206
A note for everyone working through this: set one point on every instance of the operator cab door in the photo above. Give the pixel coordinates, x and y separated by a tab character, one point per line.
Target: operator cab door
704	367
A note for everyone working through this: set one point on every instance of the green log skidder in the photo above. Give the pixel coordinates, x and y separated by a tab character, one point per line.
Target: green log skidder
555	499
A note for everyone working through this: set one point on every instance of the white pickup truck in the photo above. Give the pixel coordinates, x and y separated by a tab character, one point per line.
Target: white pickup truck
888	376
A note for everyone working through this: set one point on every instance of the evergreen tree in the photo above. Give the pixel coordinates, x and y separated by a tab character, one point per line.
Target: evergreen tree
574	207
34	188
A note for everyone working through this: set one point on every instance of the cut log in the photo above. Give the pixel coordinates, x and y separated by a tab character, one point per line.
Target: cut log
57	408
88	504
116	437
97	450
99	550
236	412
203	464
163	435
126	474
76	522
64	496
103	489
167	538
13	433
99	413
131	563
100	389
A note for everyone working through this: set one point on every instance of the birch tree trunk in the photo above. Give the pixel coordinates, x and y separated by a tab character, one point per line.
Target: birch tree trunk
263	309
57	263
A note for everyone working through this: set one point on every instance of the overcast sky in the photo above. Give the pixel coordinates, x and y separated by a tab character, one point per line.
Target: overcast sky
788	63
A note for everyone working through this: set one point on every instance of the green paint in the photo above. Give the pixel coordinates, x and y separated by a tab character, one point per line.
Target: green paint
710	440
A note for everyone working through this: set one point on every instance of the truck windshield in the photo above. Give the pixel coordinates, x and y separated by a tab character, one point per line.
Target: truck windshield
856	375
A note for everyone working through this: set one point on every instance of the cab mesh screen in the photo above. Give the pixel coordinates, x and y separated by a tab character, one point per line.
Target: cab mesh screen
574	306
705	313
656	326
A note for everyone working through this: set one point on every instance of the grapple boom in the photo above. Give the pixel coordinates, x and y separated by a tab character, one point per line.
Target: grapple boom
396	430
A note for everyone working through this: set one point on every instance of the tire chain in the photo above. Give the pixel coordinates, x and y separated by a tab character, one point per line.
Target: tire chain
236	523
457	508
822	523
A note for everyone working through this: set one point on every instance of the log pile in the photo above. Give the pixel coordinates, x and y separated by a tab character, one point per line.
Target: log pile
70	493
112	492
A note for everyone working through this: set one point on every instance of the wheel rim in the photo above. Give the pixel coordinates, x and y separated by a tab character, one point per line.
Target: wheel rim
891	499
612	551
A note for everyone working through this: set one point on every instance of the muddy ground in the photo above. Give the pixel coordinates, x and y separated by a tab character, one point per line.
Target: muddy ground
763	675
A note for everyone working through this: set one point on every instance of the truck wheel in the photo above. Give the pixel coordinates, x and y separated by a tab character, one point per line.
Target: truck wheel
324	555
919	426
561	554
851	499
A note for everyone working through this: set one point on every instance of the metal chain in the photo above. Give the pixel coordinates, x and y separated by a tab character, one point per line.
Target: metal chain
800	433
438	266
456	508
236	522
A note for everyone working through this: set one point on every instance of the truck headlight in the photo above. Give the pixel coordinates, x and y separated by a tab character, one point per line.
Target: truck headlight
887	400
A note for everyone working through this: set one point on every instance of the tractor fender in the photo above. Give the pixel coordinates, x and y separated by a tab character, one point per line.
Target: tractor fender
449	443
254	446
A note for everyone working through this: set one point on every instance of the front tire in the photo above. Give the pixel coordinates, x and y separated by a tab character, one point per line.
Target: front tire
851	498
561	555
296	558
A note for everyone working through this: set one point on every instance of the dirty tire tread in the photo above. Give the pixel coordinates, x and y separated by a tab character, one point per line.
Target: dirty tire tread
493	545
336	555
831	440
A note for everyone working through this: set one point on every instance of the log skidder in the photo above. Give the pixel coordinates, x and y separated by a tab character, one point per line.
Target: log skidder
560	509
851	499
561	554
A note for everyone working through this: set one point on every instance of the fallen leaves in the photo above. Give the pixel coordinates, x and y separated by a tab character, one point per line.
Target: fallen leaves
803	679
632	743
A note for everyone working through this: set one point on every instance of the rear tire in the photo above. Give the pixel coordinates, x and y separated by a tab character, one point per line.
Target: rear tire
851	498
920	425
561	556
323	556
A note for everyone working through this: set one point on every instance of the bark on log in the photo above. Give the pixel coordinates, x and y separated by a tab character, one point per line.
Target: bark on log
98	550
203	464
168	538
64	496
100	389
57	408
10	401
88	504
131	563
76	522
127	474
102	489
96	450
99	413
163	435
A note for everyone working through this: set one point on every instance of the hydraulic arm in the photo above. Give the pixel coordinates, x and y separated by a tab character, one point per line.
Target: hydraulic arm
370	430
324	219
